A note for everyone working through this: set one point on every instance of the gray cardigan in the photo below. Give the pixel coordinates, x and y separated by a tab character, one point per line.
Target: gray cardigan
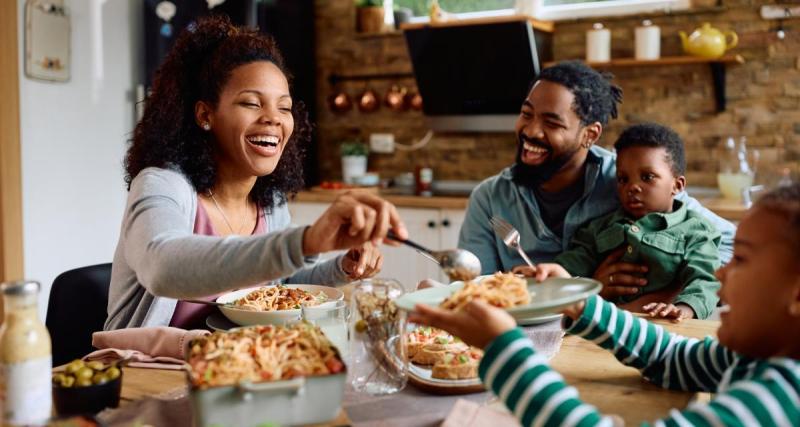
159	260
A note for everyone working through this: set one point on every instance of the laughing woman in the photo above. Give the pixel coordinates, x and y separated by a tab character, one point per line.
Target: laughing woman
212	163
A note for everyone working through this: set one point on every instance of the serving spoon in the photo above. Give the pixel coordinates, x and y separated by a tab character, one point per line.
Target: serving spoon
457	264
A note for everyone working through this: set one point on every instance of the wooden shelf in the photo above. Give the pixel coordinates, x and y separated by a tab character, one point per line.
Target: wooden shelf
545	26
667	60
717	66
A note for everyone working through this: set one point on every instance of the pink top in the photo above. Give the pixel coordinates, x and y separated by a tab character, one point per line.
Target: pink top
193	316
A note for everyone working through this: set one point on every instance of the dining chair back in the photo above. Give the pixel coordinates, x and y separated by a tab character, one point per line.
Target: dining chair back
77	308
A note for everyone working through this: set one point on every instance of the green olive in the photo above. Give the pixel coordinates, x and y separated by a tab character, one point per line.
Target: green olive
96	365
83	382
68	381
99	378
74	366
361	325
112	373
58	378
84	373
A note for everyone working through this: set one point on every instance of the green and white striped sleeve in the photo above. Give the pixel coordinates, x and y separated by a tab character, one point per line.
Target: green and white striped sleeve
534	393
762	392
666	359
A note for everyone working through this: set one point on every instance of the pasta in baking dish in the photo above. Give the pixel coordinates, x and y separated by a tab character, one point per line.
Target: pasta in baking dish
261	353
502	290
270	298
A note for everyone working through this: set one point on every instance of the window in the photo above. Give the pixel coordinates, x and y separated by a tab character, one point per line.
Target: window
549	9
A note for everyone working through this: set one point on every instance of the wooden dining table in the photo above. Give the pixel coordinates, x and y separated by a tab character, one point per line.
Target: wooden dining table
599	378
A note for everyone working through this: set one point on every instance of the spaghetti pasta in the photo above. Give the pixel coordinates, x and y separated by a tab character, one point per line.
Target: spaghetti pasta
500	290
279	297
261	353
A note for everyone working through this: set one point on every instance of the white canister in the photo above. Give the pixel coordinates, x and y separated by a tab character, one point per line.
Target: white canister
598	44
648	41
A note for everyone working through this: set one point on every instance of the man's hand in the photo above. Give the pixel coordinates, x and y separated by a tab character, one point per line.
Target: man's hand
676	312
478	323
619	278
362	262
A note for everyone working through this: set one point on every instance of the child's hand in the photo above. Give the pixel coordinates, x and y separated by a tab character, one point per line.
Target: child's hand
476	324
676	312
542	271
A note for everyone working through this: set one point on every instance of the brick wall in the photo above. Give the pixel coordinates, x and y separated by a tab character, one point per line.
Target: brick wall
763	93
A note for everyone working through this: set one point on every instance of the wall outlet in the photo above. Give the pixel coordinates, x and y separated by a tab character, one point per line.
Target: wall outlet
381	142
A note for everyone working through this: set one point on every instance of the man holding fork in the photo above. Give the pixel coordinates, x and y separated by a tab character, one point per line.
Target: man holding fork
560	179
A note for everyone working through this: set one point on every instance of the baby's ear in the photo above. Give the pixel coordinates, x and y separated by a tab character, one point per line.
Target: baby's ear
678	184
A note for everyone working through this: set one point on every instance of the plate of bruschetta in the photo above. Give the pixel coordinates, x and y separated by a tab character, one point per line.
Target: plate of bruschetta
441	363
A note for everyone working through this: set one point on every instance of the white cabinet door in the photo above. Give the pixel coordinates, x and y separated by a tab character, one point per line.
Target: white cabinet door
404	263
451	220
449	227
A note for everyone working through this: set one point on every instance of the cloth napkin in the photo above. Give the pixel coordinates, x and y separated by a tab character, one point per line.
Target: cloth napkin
470	414
160	347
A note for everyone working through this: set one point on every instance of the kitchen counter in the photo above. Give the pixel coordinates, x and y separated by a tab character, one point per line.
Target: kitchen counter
728	209
399	200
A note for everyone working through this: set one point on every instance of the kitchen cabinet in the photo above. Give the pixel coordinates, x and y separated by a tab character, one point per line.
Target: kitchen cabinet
433	228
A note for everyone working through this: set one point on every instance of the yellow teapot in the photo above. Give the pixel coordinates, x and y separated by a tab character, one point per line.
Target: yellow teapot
708	42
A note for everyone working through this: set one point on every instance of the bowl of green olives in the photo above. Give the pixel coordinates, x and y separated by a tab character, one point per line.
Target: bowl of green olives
86	387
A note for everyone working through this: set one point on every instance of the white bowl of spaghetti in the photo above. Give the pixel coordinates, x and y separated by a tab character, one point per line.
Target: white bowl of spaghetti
274	305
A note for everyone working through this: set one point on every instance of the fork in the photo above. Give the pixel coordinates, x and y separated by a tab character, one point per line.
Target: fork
510	237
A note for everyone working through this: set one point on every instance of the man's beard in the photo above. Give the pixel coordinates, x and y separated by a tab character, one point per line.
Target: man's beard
534	176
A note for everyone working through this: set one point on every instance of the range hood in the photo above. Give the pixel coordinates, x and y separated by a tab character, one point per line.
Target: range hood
475	77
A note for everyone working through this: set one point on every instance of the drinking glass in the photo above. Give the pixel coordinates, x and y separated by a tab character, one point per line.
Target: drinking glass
379	363
332	318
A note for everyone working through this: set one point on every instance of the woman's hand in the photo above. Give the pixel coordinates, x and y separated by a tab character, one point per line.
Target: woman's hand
676	312
362	262
476	324
619	278
352	219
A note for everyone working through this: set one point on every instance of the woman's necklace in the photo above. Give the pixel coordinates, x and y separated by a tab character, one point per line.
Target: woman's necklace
224	217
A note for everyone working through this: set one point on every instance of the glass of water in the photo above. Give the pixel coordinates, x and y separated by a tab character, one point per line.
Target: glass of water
332	318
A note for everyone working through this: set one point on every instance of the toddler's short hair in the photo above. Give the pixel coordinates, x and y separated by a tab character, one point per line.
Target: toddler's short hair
655	135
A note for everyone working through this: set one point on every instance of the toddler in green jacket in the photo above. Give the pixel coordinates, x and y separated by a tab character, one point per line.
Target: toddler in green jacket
677	247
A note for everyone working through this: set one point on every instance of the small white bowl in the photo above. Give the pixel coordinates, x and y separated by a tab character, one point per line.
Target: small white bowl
276	317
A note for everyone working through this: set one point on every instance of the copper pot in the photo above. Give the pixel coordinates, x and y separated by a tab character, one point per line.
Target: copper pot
368	101
414	100
340	102
395	98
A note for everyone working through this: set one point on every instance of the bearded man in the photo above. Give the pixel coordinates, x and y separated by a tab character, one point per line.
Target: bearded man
561	179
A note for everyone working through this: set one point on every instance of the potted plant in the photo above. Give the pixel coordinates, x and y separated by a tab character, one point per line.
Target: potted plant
369	16
354	160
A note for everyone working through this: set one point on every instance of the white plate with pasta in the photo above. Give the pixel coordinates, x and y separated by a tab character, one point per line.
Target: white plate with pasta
274	305
542	300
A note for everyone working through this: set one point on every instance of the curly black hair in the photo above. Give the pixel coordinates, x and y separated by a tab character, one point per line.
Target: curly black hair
785	201
197	68
655	135
596	98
